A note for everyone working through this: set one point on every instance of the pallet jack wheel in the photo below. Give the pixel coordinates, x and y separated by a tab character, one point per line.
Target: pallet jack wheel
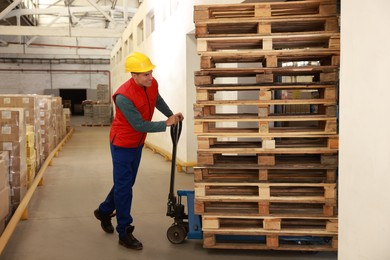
176	234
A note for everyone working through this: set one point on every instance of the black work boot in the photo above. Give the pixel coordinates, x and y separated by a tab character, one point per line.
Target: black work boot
105	221
129	240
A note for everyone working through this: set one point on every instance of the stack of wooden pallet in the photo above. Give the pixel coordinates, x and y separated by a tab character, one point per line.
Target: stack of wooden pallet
266	125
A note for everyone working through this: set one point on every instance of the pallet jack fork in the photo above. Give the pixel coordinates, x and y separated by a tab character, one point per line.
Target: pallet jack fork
184	225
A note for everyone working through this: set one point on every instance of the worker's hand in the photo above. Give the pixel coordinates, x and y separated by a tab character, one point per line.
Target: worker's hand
172	120
179	116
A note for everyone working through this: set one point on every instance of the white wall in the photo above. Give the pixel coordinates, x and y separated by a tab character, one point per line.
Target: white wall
364	174
171	50
17	79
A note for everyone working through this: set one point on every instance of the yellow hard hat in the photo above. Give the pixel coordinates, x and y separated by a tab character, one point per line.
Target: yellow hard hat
138	63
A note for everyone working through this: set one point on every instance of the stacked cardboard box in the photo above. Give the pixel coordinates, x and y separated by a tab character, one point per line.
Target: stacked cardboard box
97	114
103	94
102	114
88	114
66	120
30	129
46	125
57	120
13	140
31	104
31	154
5	199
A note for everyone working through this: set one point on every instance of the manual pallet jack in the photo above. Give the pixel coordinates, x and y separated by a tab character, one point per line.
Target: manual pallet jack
189	225
184	225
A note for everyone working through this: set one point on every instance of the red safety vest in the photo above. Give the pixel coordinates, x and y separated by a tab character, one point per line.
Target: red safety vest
144	99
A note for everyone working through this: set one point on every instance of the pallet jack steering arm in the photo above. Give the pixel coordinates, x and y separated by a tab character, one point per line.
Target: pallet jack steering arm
172	201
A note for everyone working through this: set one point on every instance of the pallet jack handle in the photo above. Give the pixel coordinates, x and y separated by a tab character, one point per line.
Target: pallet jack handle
175	135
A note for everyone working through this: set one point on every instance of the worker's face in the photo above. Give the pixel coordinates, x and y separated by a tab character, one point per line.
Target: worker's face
143	79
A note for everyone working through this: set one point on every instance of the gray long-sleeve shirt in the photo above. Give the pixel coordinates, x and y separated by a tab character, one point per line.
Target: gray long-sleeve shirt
135	119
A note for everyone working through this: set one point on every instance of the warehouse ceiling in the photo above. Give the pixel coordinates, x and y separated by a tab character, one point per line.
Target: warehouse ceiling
62	24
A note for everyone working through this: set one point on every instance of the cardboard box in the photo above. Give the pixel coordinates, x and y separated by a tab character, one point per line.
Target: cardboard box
9	116
4	155
10	133
17	194
2	225
4	202
12	147
18	179
4	174
17	101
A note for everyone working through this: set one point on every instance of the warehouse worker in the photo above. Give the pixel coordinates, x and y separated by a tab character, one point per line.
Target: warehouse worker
135	102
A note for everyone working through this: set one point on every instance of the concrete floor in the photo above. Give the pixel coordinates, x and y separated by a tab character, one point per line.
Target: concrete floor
61	224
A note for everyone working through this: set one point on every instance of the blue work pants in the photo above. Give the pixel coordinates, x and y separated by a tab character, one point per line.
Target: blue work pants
125	163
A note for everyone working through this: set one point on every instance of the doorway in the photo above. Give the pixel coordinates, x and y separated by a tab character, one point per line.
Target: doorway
72	98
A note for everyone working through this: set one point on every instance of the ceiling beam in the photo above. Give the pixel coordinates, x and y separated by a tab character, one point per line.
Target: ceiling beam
63	11
35	37
102	11
9	8
60	31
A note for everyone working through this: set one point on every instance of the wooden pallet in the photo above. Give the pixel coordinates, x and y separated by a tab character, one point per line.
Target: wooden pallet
275	86
314	160
276	174
271	127
257	207
272	45
264	96
330	142
320	74
272	10
257	240
312	113
267	91
269	223
265	156
270	192
210	60
265	26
